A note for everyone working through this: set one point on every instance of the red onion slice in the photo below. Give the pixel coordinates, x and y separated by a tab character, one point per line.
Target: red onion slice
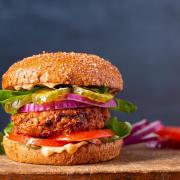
142	134
68	103
150	128
65	104
145	132
78	98
36	107
137	126
150	137
163	143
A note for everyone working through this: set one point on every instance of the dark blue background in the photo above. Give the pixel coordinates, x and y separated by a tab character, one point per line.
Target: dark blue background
141	37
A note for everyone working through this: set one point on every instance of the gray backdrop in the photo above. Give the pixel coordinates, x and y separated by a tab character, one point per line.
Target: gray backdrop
141	37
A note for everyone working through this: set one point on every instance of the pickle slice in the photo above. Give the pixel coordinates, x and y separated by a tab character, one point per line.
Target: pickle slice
48	95
92	95
11	105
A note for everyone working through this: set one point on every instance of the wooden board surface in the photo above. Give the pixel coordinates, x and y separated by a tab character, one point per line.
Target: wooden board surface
135	162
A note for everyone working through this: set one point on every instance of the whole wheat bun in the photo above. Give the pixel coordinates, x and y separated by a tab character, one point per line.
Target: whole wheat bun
51	69
87	154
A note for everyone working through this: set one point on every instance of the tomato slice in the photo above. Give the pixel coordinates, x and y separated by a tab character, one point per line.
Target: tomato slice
87	135
169	132
61	140
36	141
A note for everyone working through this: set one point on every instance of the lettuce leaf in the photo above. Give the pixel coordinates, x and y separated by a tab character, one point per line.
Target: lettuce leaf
122	129
1	146
6	94
7	131
124	106
110	139
13	100
103	89
8	128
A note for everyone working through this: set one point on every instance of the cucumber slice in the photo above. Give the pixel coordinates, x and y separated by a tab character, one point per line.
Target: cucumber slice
92	95
48	95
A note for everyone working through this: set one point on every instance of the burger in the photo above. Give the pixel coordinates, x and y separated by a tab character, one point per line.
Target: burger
60	107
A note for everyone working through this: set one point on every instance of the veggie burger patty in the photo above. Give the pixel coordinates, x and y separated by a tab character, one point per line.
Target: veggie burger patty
46	123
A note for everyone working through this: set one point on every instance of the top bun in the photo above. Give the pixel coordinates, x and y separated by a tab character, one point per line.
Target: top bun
51	69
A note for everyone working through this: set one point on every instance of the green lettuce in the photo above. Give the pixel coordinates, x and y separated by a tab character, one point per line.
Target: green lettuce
103	89
122	129
110	139
1	146
124	106
7	131
8	128
13	100
6	94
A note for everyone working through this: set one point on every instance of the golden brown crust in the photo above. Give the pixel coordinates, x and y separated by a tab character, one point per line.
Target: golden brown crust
62	68
86	154
65	121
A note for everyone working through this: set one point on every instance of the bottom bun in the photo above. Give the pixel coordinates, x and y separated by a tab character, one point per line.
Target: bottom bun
86	154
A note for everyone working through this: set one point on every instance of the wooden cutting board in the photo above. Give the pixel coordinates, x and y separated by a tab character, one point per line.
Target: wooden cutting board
135	162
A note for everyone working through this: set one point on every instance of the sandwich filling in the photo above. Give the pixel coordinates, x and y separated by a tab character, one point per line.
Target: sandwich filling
64	118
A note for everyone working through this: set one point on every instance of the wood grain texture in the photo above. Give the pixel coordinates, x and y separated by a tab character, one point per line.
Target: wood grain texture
135	162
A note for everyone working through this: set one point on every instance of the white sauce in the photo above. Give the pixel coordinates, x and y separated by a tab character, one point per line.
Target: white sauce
70	148
47	150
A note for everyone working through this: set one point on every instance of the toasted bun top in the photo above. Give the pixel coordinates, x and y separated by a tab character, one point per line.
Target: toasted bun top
51	69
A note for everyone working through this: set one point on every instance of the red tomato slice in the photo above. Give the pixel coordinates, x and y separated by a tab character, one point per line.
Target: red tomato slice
61	140
36	141
87	135
169	132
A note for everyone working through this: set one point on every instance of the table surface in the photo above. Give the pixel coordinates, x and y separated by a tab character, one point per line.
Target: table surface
136	162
